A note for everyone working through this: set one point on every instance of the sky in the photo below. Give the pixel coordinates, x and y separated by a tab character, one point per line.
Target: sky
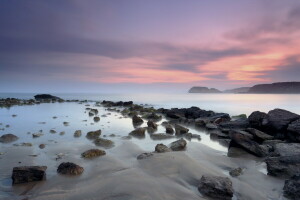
114	46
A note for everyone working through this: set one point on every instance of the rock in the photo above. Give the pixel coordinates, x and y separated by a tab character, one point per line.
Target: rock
24	144
153	117
77	133
294	131
211	126
144	155
42	146
172	114
69	168
27	174
139	132
66	123
152	124
93	134
93	153
291	188
160	136
218	135
236	124
161	148
178	145
91	114
216	187
179	130
189	136
96	119
62	133
169	129
35	135
256	119
238	139
279	119
259	136
7	138
236	172
283	166
137	120
104	143
52	131
287	149
151	130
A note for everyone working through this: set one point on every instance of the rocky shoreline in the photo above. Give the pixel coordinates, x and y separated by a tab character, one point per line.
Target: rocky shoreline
273	137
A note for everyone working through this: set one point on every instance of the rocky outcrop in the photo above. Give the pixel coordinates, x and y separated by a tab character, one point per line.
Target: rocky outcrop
42	97
178	145
169	129
152	124
259	136
93	153
204	90
27	174
279	119
69	168
236	124
216	187
291	188
7	138
256	119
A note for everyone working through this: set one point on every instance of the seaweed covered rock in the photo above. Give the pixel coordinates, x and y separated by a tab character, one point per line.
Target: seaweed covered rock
104	143
139	133
69	168
178	145
93	134
93	153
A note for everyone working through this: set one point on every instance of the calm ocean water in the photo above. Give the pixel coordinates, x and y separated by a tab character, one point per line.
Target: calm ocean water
233	104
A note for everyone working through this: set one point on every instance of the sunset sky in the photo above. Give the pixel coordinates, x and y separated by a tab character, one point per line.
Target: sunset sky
146	45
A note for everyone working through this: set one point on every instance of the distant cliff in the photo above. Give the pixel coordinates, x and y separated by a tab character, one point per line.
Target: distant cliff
203	90
238	90
276	88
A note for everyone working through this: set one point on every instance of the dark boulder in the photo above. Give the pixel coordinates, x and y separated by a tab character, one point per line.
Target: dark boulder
259	136
244	141
7	138
291	188
216	187
69	168
127	103
96	119
256	119
294	131
283	166
160	136
178	145
27	174
286	149
236	172
169	129
279	119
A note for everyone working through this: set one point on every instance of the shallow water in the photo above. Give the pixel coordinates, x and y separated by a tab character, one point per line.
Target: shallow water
234	104
118	175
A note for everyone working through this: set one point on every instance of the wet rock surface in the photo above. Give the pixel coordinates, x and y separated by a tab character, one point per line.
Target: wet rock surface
104	143
139	133
7	138
25	174
93	134
178	145
216	187
161	148
93	153
144	156
291	187
69	168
